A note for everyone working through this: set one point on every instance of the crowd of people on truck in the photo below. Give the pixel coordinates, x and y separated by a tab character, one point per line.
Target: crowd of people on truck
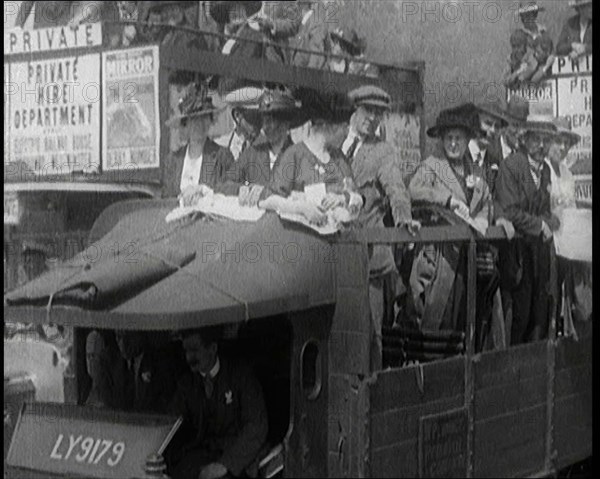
494	165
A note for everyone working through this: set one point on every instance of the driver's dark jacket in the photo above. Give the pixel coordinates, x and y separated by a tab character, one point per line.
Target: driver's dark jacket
232	423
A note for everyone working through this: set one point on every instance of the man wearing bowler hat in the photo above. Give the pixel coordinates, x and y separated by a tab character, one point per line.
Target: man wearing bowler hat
244	111
576	36
380	177
523	194
201	163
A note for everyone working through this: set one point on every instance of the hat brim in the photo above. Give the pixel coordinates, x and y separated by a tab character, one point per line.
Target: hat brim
295	117
437	131
499	115
524	11
175	119
538	128
376	103
579	4
573	137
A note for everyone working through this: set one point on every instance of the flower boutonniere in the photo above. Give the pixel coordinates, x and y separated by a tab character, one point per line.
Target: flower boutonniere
319	169
471	180
146	376
228	397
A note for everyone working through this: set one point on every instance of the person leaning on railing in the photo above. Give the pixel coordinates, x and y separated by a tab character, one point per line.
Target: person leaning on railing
523	194
314	168
448	180
576	36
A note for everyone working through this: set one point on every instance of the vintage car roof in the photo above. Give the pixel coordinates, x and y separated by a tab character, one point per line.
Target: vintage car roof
175	276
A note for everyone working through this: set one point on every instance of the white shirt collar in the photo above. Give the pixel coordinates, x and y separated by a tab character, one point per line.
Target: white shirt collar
475	149
214	371
190	174
506	149
582	29
352	134
307	16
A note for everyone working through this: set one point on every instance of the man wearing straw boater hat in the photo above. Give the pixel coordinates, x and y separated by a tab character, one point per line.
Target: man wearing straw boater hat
576	36
244	104
528	13
523	194
380	177
201	163
279	112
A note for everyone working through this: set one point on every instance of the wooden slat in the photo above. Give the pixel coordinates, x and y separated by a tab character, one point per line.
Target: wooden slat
573	380
500	367
398	425
572	422
507	445
571	353
510	397
398	460
517	462
399	388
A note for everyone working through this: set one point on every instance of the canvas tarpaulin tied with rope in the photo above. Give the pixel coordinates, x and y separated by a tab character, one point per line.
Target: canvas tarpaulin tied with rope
200	271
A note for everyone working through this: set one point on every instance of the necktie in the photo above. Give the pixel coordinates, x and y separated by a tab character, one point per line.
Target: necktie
209	386
352	149
477	165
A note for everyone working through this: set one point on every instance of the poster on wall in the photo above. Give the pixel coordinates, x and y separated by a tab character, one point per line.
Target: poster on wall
130	119
7	110
55	114
574	91
540	96
403	132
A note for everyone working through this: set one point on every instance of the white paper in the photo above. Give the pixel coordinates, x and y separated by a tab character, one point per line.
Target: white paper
573	240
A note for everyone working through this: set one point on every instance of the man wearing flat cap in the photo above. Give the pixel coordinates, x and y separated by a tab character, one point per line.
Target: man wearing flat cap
246	118
201	163
576	36
523	194
380	177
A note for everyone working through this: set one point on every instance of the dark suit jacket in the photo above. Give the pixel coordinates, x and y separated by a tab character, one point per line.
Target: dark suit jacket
157	377
516	195
253	166
151	390
571	34
233	422
215	162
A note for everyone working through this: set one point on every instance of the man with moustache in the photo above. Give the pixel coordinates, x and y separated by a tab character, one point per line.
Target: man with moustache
223	408
523	194
380	177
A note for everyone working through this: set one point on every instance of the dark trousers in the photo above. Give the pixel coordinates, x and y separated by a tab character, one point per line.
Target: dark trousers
531	298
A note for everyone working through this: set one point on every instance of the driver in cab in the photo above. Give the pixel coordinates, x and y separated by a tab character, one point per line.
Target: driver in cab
225	419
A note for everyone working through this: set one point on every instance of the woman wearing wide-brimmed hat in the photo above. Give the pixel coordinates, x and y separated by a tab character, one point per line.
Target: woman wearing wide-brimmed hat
201	163
576	36
574	275
448	180
523	194
346	42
